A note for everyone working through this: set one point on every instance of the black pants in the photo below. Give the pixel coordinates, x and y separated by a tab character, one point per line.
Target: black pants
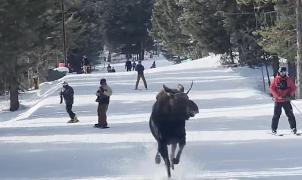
69	111
288	111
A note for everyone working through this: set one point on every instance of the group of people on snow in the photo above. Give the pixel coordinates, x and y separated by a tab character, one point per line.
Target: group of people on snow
103	98
282	89
110	69
130	66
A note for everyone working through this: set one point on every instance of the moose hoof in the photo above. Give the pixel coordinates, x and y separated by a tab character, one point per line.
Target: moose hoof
175	161
157	159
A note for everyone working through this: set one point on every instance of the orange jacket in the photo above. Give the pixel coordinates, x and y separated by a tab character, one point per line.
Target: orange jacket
282	95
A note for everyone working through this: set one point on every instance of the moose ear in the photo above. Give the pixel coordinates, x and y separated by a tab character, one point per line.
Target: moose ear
166	89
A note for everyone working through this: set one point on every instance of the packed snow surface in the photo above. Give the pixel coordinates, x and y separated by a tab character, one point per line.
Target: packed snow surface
228	139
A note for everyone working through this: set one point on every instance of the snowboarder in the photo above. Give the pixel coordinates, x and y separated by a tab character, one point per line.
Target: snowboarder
67	93
103	97
283	89
140	74
128	65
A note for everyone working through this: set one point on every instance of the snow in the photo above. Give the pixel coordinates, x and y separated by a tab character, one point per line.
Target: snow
228	139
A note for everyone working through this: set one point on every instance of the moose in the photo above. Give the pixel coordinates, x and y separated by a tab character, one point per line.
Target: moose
167	123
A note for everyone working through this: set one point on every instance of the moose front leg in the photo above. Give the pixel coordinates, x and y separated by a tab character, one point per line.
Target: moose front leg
181	147
173	149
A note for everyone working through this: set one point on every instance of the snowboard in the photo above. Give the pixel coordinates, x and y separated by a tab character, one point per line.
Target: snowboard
98	126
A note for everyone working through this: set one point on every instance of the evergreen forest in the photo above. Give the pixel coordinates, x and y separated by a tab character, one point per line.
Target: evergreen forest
36	35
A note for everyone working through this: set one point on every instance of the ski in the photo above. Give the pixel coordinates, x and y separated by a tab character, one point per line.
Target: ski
297	134
277	134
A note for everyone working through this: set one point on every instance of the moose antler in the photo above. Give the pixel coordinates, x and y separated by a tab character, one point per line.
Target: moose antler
190	88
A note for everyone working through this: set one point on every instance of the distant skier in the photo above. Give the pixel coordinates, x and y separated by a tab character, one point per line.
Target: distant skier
103	97
128	65
133	65
36	79
86	65
153	65
283	89
140	74
108	68
67	93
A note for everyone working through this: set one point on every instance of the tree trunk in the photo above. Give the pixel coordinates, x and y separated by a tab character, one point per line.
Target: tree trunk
299	48
231	51
142	51
14	97
275	64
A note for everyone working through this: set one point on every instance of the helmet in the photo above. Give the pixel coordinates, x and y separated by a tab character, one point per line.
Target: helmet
65	83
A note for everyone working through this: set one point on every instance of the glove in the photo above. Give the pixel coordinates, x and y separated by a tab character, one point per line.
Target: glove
102	89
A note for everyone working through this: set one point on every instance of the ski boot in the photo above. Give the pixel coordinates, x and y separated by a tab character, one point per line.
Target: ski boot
74	120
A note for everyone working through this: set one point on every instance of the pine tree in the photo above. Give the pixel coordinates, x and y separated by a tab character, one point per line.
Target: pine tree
201	20
167	27
22	29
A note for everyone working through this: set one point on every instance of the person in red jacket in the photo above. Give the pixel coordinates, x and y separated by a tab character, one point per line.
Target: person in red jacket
283	89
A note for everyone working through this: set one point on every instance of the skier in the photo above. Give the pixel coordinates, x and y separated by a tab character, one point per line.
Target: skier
86	65
140	74
103	97
133	65
108	68
153	65
128	65
36	79
283	89
67	93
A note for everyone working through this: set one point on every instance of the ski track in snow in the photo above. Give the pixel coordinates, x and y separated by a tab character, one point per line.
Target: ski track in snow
228	139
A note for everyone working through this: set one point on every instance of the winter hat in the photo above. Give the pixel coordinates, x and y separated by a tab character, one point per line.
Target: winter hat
65	83
103	80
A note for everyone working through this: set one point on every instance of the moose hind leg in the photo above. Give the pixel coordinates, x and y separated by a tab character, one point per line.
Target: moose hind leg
163	150
172	156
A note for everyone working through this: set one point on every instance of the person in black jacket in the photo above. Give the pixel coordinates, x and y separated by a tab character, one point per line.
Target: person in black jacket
140	74
133	65
67	93
128	65
103	97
